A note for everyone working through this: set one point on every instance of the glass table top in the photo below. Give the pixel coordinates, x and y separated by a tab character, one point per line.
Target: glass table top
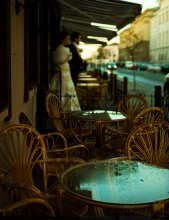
118	182
87	79
100	115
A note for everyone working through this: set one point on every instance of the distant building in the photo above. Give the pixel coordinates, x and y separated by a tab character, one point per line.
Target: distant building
111	52
159	34
135	40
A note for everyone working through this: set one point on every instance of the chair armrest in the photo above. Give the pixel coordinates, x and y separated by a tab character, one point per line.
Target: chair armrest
76	151
29	207
55	140
21	190
56	166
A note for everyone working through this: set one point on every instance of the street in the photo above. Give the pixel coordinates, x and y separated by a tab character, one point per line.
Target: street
144	81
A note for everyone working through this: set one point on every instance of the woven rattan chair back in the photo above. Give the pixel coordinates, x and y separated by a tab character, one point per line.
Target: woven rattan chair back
54	101
53	140
23	119
149	142
149	114
20	149
55	113
131	105
65	124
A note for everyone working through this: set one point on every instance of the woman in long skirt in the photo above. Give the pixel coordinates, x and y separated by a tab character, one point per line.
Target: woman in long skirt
60	57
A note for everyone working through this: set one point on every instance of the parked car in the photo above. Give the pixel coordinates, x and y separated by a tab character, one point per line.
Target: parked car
165	68
111	68
128	64
131	65
121	64
154	67
106	69
142	65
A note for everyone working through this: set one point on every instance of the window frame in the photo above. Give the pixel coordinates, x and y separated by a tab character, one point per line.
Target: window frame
5	57
31	47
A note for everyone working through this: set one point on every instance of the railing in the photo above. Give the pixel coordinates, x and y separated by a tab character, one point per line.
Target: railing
118	87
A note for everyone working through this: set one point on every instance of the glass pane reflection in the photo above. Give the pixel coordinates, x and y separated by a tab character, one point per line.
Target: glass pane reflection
119	182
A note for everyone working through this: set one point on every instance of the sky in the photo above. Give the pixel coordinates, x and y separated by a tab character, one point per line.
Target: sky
145	3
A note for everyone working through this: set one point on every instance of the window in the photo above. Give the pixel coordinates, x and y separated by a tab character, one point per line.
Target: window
5	59
31	46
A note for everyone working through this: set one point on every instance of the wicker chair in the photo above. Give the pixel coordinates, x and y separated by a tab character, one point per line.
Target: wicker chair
56	144
149	142
149	114
131	105
21	147
82	97
113	143
112	138
30	207
54	140
23	119
58	117
22	153
75	131
82	132
55	112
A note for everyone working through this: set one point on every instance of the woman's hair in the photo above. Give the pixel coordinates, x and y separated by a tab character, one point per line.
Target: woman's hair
61	36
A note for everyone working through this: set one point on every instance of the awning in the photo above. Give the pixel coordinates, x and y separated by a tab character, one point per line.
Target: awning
76	15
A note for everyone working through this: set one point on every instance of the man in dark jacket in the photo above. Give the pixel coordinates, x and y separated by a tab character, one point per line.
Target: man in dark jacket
76	63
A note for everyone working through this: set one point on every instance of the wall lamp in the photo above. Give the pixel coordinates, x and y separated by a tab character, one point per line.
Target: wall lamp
18	6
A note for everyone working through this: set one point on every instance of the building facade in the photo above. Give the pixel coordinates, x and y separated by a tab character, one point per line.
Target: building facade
159	34
135	40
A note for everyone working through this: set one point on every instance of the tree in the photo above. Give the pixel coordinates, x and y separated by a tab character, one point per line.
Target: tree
132	42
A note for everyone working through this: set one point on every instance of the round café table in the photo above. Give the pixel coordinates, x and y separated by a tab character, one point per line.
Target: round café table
97	117
120	185
84	74
87	79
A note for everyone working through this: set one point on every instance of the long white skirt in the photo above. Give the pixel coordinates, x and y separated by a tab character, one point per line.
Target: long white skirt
69	97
